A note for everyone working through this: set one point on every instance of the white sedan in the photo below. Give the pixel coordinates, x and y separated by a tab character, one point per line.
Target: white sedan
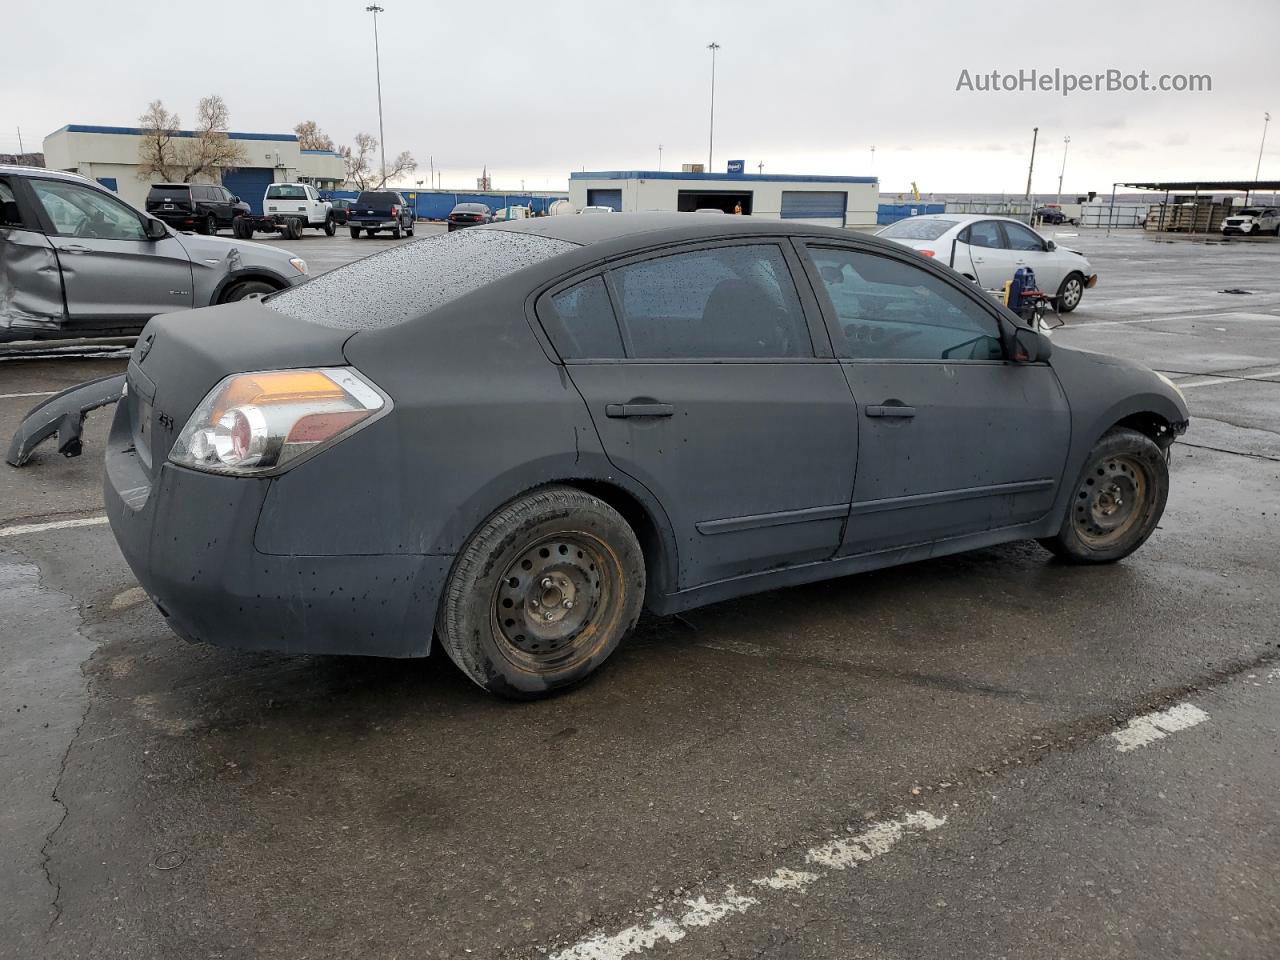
989	250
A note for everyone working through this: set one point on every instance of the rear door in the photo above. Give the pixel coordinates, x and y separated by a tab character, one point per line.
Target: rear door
711	390
954	439
30	282
983	245
112	274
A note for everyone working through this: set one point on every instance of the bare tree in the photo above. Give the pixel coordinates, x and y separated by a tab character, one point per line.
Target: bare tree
402	164
359	159
211	149
158	153
311	137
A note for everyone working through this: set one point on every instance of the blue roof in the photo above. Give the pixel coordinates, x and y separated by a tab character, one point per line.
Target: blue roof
748	177
139	131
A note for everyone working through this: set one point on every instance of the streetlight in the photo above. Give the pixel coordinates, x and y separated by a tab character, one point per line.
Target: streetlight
1035	132
377	61
711	139
1266	118
659	158
1065	143
873	156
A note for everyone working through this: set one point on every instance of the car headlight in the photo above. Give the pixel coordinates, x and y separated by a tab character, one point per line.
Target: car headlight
1169	383
257	423
299	264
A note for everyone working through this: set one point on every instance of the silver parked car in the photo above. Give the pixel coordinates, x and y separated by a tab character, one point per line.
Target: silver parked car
76	260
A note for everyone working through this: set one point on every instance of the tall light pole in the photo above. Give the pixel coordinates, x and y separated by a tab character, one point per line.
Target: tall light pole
711	139
873	156
659	158
377	61
1066	141
1266	118
1035	132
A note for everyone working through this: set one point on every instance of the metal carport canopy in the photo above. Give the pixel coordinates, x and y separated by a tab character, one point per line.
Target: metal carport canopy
1209	186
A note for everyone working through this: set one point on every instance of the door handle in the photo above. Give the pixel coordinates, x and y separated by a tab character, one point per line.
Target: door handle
74	248
890	410
978	260
617	410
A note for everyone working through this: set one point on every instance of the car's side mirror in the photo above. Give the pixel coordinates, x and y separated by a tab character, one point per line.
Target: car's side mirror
1050	246
1031	346
155	230
235	199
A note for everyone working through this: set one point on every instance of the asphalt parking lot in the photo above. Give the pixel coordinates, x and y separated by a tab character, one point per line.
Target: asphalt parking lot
987	755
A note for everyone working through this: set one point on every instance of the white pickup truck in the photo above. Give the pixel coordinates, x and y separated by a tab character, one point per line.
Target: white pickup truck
289	208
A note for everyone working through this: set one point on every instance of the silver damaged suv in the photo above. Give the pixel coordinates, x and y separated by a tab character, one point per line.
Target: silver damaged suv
77	261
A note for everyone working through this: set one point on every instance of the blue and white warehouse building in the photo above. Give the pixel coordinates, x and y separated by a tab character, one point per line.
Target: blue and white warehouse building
832	201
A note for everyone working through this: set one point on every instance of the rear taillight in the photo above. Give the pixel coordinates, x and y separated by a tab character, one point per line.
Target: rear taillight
395	210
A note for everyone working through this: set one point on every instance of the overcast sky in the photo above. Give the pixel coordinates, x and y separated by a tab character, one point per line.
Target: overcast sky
536	89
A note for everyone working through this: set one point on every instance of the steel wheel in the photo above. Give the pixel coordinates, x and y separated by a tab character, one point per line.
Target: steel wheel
1111	501
547	602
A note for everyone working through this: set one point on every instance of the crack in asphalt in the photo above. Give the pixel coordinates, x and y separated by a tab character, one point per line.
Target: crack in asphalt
1234	453
46	855
1220	373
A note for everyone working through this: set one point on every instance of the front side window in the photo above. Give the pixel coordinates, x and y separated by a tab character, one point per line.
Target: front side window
986	233
1022	238
581	323
890	310
734	302
78	211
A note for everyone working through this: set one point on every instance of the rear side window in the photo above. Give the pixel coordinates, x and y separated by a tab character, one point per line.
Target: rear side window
286	192
720	303
581	324
985	233
415	278
917	228
9	215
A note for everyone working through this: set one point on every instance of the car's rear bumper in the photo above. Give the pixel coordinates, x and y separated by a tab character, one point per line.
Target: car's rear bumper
188	537
374	224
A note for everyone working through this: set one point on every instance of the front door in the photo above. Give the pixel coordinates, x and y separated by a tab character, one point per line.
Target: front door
112	273
954	439
1029	249
709	391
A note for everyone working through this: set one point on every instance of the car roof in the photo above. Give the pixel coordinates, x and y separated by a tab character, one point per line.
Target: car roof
13	169
656	228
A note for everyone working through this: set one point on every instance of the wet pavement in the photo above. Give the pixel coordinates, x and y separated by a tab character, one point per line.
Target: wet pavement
932	745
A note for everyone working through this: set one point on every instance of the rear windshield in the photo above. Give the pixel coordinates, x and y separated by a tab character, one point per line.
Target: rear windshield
284	191
471	208
916	228
166	191
373	198
413	279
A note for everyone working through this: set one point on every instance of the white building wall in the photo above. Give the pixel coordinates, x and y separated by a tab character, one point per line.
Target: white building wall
645	195
95	155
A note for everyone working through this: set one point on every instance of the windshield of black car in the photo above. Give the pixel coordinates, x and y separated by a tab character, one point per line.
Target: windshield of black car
415	278
286	192
917	228
375	199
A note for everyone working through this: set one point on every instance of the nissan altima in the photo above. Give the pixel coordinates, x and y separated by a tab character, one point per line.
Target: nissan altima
512	439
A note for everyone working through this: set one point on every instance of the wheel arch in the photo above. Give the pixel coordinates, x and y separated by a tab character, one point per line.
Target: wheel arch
234	279
1150	424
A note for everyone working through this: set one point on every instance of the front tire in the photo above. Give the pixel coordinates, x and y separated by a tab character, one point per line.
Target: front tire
542	594
330	227
210	226
395	232
1118	500
242	290
1070	293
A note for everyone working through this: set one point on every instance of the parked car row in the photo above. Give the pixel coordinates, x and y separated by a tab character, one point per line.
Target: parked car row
76	260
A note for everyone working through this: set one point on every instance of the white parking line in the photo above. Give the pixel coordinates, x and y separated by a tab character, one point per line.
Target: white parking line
837	854
1220	378
25	528
1151	727
19	396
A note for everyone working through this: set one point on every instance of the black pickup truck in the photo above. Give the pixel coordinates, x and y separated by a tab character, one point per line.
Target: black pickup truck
376	210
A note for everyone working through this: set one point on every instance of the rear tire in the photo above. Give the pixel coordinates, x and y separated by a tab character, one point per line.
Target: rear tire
1117	502
210	226
395	232
408	231
542	594
1071	292
330	227
355	233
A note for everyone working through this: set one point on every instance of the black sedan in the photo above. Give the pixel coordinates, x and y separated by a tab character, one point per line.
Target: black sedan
341	210
468	215
512	440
